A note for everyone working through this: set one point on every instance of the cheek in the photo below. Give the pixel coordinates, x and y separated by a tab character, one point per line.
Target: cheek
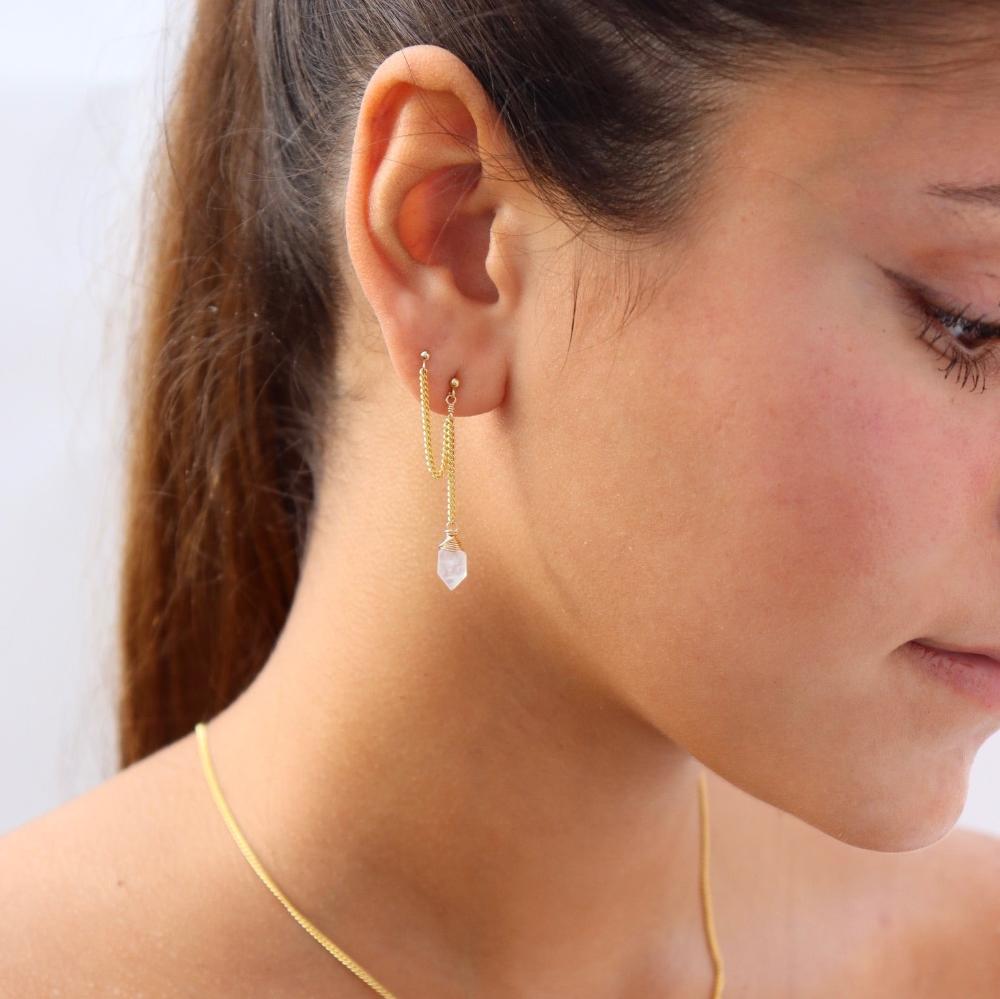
811	470
841	483
786	516
865	480
760	509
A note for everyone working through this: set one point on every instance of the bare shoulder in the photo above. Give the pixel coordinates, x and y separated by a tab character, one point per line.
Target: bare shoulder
119	892
44	902
929	918
83	879
27	856
956	926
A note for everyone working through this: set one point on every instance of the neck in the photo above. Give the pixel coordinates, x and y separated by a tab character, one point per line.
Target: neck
447	797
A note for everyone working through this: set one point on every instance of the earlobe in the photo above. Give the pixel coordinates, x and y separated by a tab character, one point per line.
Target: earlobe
420	217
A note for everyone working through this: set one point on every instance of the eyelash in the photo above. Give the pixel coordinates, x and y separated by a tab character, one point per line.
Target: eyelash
970	364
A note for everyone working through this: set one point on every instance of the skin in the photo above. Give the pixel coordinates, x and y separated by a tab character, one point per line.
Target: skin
696	541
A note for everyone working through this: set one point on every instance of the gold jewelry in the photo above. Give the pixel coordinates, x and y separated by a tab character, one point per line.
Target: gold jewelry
452	563
201	732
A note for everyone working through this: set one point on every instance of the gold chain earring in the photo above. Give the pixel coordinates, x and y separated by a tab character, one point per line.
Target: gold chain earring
452	564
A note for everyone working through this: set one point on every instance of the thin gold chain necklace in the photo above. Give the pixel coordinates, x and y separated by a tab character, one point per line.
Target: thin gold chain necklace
206	764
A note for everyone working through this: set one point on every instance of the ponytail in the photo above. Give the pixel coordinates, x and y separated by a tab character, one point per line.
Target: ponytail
220	471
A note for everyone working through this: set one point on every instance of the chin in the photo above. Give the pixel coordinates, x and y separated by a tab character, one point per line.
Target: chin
906	805
895	815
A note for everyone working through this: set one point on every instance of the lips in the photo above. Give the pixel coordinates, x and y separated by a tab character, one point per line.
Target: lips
984	655
966	670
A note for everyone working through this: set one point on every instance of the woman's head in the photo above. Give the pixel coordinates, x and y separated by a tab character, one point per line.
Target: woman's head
664	247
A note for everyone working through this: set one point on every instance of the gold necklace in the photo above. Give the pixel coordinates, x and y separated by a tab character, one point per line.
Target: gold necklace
206	763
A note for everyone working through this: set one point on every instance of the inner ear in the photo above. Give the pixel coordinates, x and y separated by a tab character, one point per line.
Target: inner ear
440	225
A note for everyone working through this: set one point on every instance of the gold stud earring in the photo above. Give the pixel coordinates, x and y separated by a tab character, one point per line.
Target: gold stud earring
452	563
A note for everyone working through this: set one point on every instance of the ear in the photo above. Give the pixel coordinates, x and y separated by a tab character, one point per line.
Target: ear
424	219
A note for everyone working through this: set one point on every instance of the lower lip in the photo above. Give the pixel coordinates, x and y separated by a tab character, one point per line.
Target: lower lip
976	677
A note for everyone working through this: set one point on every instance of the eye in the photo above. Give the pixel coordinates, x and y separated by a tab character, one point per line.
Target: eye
955	336
954	331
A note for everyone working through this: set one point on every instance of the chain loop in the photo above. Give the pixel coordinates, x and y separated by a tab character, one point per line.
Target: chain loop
448	444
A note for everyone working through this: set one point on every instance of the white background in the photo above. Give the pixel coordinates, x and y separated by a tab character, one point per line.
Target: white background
82	89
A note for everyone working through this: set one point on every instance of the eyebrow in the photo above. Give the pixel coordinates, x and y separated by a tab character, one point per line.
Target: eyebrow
986	194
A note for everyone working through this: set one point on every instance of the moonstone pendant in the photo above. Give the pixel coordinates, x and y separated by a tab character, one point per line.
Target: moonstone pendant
452	565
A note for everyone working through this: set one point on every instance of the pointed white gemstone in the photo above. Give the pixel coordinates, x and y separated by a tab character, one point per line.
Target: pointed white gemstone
451	566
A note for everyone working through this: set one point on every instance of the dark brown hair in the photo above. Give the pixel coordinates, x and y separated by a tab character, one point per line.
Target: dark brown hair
612	107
